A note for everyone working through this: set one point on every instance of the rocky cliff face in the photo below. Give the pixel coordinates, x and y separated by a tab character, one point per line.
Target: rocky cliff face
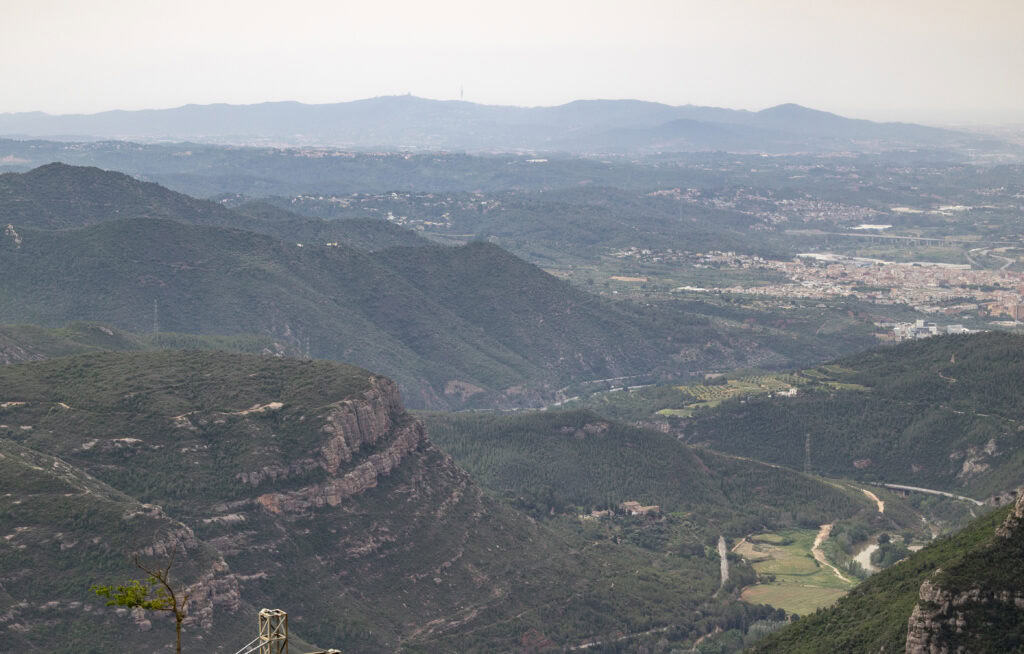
368	504
953	620
1014	523
348	426
293	484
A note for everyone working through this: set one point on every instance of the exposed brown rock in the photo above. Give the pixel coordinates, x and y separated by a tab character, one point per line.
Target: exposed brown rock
215	588
348	425
940	612
361	478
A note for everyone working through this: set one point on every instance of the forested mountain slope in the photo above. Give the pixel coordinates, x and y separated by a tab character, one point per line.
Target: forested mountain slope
302	485
497	330
66	531
58	196
942	413
558	462
455	326
20	343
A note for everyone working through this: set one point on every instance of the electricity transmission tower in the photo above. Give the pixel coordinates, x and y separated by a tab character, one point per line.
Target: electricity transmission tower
273	635
273	631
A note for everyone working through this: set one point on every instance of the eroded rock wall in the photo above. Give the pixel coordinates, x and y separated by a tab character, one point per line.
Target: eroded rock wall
945	622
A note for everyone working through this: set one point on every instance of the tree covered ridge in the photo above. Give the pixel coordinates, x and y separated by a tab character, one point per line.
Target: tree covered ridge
558	462
940	413
426	316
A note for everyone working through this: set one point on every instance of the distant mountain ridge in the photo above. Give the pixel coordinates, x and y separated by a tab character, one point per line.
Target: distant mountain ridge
409	122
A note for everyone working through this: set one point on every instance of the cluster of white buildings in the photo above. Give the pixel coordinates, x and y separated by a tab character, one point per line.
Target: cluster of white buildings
905	331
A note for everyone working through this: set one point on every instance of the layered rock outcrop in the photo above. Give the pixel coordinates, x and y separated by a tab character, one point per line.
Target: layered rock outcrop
348	425
946	621
361	478
374	421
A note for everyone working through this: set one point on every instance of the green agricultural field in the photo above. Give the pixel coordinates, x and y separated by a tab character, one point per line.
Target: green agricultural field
837	369
710	396
677	413
791	578
801	600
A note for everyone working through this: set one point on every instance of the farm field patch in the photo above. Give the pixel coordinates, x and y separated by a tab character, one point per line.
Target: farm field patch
711	395
790	577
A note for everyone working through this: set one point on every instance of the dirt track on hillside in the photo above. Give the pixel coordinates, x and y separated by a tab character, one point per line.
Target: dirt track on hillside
819	556
880	503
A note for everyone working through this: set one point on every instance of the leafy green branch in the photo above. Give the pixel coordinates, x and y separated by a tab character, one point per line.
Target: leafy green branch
155	593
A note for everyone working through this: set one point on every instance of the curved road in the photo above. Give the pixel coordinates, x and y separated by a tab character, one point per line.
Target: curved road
932	491
987	252
880	503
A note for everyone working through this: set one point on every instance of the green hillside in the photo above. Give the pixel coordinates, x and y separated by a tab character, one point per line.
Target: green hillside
970	574
19	343
301	485
66	530
453	325
943	413
363	233
58	196
576	461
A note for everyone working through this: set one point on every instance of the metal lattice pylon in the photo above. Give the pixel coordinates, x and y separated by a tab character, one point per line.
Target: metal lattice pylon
273	638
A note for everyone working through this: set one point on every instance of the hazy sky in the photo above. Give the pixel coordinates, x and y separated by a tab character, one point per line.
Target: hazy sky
938	61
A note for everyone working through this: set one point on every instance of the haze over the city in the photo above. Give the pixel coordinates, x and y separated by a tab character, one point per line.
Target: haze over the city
929	61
